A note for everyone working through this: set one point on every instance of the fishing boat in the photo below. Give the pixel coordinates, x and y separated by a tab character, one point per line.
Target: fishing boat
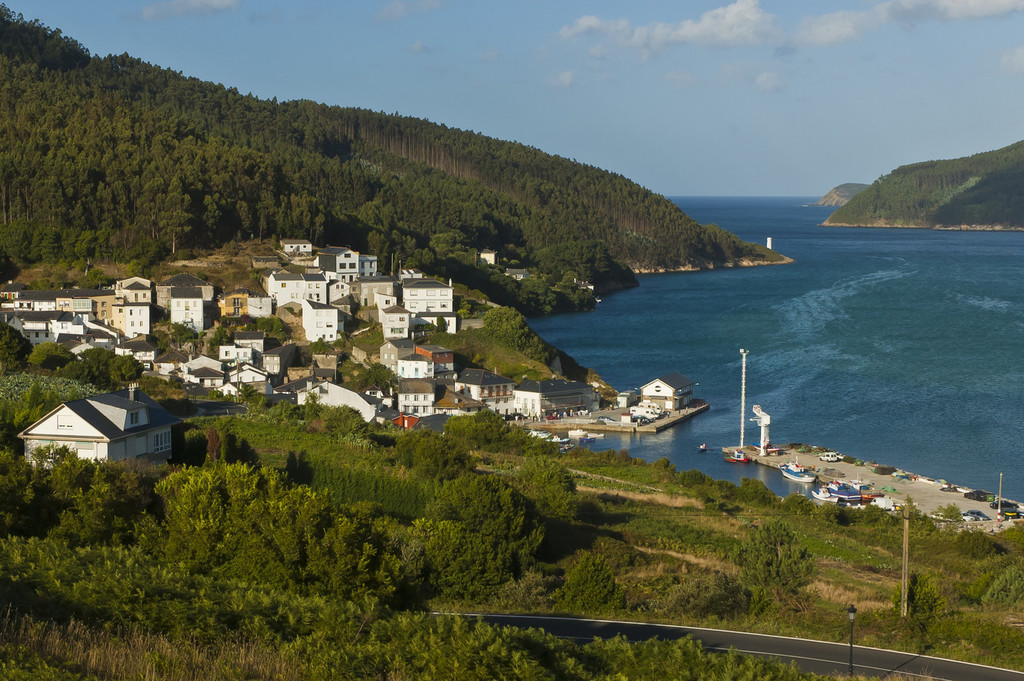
559	440
845	492
824	494
737	457
794	471
579	434
586	439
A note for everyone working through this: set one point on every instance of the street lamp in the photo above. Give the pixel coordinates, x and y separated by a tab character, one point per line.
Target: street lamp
852	612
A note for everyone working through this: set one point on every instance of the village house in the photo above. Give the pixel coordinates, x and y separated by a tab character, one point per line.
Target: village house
286	287
367	265
244	302
395	322
427	295
488	257
338	263
394	348
670	392
246	375
321	321
139	348
121	425
294	247
334	395
276	361
370	291
457	404
442	321
414	365
187	307
168	363
134	290
131	318
207	377
416	396
257	340
183	280
10	291
263	262
517	273
442	357
538	399
409	274
235	354
496	392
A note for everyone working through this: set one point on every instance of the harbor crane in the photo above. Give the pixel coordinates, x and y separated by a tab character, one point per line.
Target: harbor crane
763	420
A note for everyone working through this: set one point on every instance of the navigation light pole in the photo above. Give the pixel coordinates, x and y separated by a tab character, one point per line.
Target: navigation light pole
743	396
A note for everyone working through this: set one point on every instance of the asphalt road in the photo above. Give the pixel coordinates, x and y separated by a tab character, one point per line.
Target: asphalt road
818	657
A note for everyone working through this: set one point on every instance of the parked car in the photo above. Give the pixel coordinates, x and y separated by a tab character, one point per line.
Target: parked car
977	495
605	419
974	515
830	457
1005	505
1011	514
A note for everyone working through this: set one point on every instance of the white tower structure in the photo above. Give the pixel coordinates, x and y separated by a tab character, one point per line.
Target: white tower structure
763	420
743	396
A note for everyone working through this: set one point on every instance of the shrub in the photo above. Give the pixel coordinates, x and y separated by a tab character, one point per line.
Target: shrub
717	594
1007	588
590	587
771	559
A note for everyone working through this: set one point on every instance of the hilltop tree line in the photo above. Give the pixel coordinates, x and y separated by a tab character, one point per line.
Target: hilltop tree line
112	158
982	189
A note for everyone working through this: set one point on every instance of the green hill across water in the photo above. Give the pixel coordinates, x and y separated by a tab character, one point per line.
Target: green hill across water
976	192
111	158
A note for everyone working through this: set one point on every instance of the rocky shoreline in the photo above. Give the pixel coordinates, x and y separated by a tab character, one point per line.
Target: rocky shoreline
938	228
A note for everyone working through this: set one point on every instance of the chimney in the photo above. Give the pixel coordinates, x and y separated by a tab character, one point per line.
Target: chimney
132	390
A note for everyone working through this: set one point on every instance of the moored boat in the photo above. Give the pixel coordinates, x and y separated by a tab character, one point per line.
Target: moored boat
737	457
823	494
794	471
845	492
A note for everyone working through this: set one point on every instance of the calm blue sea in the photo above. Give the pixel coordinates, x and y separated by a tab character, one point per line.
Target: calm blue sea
901	346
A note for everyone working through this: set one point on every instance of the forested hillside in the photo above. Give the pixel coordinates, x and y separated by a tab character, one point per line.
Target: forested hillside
115	159
980	191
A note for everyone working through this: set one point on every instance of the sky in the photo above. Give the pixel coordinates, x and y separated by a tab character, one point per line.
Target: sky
748	98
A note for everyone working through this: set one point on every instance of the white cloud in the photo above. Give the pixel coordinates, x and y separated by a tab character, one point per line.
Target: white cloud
741	23
1013	61
397	9
838	27
177	8
847	26
562	79
768	82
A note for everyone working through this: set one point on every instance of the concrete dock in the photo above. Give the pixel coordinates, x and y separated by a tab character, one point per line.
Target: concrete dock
926	493
594	424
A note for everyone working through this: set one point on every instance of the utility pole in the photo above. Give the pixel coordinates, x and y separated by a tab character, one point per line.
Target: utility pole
743	396
999	500
905	584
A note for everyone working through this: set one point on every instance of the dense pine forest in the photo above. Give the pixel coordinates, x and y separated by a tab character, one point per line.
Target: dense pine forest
981	191
113	159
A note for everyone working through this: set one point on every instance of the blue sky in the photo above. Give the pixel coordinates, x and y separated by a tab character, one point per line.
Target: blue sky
753	97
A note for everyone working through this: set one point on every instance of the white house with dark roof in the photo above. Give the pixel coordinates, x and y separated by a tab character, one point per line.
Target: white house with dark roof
286	287
671	391
121	425
232	353
139	348
496	392
321	321
414	365
296	246
338	263
168	362
416	396
427	295
163	289
134	290
187	307
131	318
394	348
538	399
395	322
334	395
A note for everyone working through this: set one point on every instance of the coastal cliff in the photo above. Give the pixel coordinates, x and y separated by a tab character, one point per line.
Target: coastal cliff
973	193
841	194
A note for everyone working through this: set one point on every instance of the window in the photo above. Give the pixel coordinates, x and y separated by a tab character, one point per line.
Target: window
133	418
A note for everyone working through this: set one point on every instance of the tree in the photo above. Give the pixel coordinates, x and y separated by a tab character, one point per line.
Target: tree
772	560
480	533
431	455
50	356
551	486
590	587
14	348
924	602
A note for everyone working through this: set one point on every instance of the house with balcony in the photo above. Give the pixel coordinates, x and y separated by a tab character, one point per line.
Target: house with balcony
321	321
183	280
496	392
288	287
539	399
427	295
188	307
395	322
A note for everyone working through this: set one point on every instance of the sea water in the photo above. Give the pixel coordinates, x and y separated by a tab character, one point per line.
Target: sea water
901	346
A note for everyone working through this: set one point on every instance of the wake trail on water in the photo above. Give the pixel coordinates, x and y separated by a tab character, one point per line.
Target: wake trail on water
803	321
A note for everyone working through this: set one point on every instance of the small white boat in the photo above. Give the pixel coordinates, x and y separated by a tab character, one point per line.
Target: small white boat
579	434
823	494
794	471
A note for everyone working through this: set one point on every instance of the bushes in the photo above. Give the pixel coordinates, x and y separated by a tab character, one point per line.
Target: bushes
712	595
772	560
590	587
